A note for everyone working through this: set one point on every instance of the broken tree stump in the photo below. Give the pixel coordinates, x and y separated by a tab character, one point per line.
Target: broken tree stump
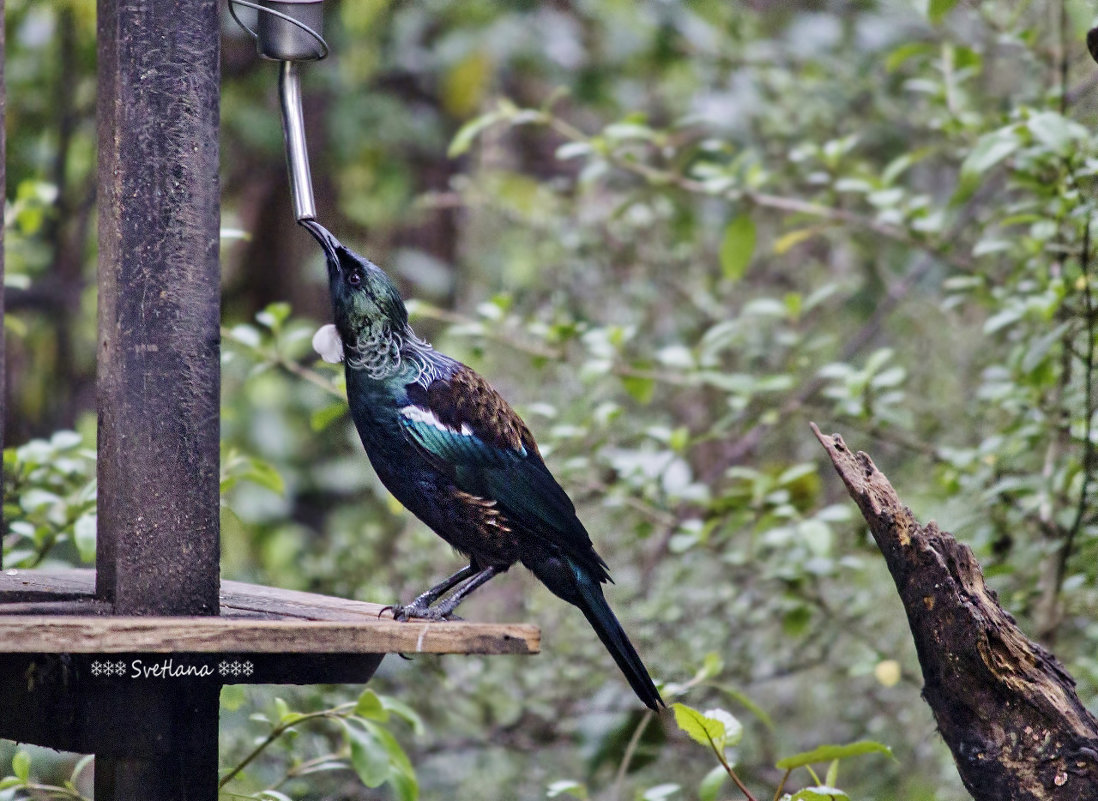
1005	706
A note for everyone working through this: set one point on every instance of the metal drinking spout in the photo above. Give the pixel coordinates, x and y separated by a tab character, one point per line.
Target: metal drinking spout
297	154
289	31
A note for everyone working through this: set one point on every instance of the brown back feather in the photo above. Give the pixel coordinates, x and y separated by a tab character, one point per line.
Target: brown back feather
468	399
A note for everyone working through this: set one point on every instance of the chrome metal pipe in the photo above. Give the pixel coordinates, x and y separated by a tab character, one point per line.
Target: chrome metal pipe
297	154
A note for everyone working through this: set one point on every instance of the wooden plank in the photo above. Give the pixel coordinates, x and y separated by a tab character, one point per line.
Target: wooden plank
46	585
81	606
254	619
238	597
158	378
88	635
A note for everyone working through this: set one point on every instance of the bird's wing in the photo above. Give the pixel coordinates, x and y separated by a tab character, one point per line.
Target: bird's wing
465	428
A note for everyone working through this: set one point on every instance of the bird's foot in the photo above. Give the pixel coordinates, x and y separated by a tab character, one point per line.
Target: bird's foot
414	611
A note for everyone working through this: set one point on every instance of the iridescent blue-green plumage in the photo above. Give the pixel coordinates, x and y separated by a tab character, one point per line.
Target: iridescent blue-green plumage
455	454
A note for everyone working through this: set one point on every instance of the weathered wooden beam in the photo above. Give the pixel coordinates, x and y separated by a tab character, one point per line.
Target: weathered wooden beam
179	757
55	611
66	584
158	377
52	634
74	704
149	735
1005	706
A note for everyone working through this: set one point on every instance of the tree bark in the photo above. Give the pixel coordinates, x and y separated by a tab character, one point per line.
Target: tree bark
1005	706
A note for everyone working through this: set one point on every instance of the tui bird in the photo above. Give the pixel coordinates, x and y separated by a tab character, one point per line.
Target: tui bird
455	454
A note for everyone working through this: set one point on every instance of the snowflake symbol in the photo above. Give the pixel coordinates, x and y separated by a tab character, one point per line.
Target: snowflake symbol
235	669
223	668
120	668
97	668
248	668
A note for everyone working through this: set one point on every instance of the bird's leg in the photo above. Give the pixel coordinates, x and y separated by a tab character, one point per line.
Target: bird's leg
418	607
447	607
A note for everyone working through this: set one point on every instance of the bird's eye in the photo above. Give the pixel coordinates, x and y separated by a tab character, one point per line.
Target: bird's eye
354	278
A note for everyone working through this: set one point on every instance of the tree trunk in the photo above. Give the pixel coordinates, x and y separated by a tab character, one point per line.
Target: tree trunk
1005	707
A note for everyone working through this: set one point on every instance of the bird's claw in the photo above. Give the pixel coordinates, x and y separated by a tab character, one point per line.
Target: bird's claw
413	612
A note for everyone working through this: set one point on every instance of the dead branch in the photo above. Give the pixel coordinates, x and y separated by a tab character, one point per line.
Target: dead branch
1005	706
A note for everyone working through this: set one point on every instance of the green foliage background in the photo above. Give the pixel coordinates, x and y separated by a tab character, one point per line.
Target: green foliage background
672	233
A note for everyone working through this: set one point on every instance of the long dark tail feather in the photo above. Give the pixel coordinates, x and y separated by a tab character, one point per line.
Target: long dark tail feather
593	604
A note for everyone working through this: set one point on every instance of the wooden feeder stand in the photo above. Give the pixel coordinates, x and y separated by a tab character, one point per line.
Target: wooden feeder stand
69	640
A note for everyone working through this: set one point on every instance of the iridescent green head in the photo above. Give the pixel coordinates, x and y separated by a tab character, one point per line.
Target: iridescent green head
369	313
362	294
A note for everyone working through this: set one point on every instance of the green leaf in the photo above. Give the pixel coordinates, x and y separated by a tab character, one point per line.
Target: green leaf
988	151
265	475
1040	347
737	247
34	499
83	535
832	776
790	240
937	9
640	388
273	795
694	723
247	335
274	315
826	753
405	712
65	440
82	764
796	621
710	786
369	706
1055	131
712	664
563	786
898	57
1007	316
463	139
326	415
405	787
571	150
398	759
819	793
282	709
660	792
714	727
622	131
368	756
20	766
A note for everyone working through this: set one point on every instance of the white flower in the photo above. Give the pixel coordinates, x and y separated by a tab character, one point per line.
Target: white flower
327	343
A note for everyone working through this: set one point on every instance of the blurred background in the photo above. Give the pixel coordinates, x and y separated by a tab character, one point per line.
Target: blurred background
671	233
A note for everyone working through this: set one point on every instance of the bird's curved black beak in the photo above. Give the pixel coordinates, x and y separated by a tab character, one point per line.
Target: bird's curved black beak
326	239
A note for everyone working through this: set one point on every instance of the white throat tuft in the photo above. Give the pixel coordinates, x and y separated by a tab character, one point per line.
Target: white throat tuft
327	342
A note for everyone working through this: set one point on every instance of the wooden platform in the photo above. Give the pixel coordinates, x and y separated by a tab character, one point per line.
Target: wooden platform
57	612
77	677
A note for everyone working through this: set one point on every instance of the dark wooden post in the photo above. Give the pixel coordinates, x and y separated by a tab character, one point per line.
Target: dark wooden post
4	186
158	383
